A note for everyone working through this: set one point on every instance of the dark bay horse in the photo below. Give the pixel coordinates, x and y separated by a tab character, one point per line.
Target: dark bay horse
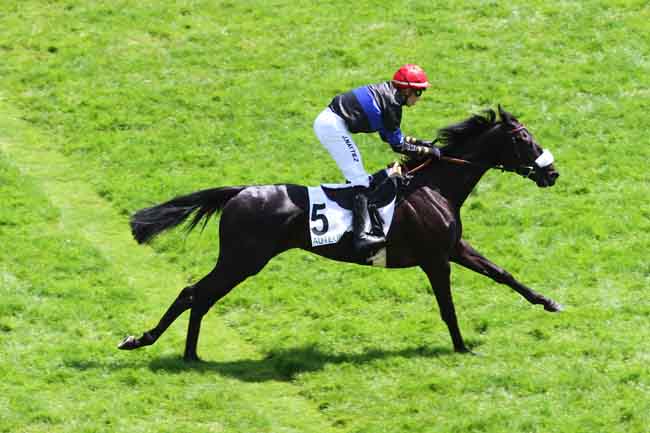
260	222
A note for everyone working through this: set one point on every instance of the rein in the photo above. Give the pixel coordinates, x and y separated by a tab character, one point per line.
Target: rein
524	170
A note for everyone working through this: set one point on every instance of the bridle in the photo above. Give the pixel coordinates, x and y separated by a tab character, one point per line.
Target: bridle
542	161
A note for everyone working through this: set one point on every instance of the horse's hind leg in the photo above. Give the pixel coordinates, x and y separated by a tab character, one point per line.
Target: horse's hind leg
182	303
199	294
200	297
226	275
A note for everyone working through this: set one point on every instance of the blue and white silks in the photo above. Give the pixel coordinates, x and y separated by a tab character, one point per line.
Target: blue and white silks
373	112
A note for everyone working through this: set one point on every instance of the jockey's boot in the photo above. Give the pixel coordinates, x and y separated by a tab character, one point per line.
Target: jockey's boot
366	242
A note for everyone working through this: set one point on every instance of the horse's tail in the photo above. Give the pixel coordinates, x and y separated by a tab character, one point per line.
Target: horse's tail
149	222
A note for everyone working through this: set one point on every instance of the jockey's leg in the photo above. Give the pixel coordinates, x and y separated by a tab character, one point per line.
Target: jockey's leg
366	241
335	137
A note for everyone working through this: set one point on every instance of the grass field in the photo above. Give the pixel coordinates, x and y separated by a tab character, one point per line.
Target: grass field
108	107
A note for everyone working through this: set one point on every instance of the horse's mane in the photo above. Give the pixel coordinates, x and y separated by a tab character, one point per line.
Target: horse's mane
460	133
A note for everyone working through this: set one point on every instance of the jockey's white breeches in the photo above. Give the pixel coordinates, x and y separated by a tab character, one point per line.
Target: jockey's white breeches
334	135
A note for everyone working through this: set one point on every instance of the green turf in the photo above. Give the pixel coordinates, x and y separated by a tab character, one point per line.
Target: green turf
107	107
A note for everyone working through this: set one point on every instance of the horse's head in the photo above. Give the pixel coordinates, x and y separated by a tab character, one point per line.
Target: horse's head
521	153
482	141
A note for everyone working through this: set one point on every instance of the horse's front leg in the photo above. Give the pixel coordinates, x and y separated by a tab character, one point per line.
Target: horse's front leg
439	275
470	258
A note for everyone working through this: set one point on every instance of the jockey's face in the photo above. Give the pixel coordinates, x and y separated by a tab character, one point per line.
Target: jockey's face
413	96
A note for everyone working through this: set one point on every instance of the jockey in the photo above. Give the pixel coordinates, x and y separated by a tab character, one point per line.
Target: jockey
371	108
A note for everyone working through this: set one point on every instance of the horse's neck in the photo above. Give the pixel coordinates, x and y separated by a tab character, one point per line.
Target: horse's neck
455	183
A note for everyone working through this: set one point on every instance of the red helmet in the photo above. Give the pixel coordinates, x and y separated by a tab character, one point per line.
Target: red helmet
411	76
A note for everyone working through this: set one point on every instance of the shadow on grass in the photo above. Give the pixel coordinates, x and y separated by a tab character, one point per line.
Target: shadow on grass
284	365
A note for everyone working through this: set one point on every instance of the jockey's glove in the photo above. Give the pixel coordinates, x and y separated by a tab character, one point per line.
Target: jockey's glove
420	148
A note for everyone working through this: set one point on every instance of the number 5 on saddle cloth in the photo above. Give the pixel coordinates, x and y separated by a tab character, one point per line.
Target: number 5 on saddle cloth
330	208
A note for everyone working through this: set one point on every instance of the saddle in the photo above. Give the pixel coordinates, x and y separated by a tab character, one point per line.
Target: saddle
382	191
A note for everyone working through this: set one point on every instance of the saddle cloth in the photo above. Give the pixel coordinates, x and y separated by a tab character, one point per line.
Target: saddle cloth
330	210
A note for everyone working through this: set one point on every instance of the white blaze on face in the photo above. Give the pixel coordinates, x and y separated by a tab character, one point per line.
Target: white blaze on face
545	159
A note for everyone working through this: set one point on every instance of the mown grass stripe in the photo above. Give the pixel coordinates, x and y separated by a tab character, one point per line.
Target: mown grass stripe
82	212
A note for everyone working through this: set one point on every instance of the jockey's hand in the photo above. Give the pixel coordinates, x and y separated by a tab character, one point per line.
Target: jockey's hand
435	152
418	142
421	148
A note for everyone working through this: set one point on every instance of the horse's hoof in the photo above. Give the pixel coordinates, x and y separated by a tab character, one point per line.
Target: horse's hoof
191	358
553	307
129	343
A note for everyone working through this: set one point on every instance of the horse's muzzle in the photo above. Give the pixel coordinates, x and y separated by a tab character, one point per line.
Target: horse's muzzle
546	177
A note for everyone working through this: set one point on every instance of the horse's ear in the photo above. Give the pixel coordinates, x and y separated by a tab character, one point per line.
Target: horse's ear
504	115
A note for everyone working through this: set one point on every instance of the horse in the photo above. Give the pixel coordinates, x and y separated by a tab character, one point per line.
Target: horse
259	222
